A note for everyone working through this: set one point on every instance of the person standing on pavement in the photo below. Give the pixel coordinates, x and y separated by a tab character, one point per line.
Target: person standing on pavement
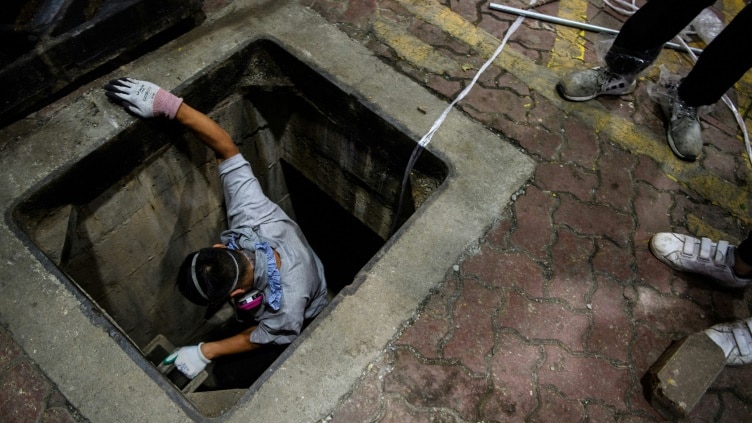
263	251
728	267
723	62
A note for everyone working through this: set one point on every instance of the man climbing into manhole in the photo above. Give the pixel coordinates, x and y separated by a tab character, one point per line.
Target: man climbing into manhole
264	264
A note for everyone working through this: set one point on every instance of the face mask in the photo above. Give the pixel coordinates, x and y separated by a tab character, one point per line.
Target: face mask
250	300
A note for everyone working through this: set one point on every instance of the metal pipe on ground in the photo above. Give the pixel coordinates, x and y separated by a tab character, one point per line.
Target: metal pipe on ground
571	23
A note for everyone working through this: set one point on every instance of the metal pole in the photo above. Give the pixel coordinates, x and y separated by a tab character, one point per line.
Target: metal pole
575	24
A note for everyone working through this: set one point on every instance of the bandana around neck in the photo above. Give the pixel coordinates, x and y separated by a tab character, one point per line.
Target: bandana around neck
266	276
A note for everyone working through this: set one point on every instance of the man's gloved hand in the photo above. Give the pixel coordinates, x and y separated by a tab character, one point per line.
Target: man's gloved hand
189	360
142	98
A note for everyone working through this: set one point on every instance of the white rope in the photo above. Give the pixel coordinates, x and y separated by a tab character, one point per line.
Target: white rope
427	137
624	7
437	124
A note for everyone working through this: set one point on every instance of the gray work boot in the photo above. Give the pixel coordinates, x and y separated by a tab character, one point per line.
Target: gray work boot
588	84
735	339
683	129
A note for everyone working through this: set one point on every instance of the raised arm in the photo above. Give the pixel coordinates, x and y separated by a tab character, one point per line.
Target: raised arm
147	100
208	131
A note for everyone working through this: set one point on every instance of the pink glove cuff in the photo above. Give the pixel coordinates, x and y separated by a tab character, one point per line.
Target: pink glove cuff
166	104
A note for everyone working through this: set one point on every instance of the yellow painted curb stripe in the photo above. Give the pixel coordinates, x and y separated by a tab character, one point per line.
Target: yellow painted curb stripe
637	139
412	49
700	228
569	46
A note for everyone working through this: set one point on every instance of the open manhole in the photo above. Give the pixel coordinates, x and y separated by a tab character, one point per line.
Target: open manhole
119	222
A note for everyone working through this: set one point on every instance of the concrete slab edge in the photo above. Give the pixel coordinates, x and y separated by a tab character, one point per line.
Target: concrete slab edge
485	172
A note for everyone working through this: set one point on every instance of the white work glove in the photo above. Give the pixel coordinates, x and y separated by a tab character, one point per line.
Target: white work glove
189	360
142	98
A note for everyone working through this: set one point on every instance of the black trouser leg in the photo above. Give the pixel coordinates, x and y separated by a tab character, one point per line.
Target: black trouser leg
641	38
722	63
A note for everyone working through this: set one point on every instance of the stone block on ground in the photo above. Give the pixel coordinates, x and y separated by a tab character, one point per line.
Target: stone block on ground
680	377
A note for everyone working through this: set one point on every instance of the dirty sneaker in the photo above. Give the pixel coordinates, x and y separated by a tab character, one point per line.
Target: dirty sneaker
683	129
735	339
701	256
588	84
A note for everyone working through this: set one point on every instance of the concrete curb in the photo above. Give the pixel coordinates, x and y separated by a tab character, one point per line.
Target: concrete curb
99	375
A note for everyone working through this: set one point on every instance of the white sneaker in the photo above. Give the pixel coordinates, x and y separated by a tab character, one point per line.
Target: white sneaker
735	339
702	256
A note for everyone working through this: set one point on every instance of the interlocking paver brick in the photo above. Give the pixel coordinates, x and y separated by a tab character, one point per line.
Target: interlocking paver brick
532	232
613	261
473	321
425	336
397	411
652	210
594	219
443	86
507	81
23	391
652	272
484	103
467	9
445	44
538	321
669	313
573	376
495	24
611	333
572	280
434	384
9	350
734	380
499	269
545	114
707	409
581	145
615	170
497	407
649	171
498	235
599	413
57	415
648	346
26	395
571	179
734	409
364	403
543	143
513	368
331	9
555	407
360	12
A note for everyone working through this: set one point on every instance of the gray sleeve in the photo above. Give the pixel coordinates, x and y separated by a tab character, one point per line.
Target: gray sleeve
283	326
299	283
247	205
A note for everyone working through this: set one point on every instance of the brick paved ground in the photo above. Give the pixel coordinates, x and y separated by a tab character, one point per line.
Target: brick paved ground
561	309
26	395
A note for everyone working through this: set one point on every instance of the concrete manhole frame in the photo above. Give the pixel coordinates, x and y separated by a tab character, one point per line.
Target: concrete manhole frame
89	362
